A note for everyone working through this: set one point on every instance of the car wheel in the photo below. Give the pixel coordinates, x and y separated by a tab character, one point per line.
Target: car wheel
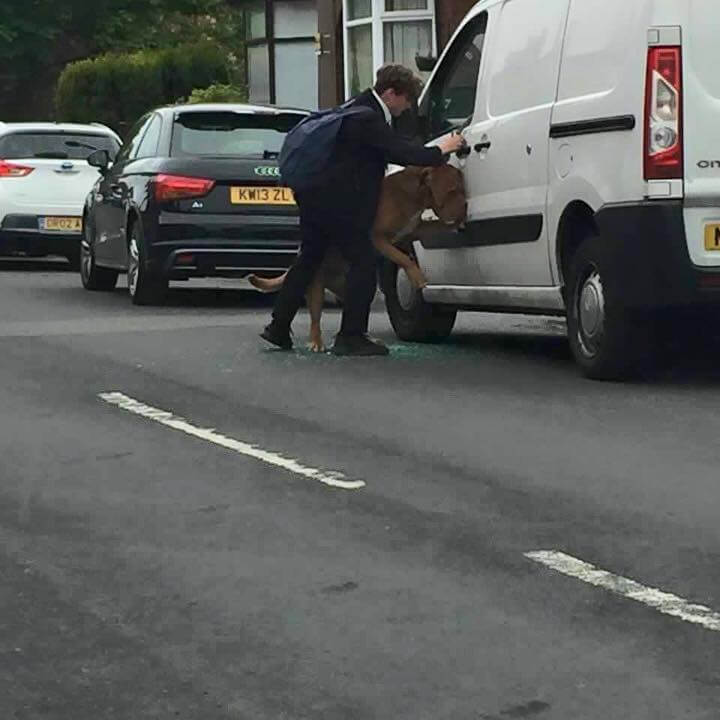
92	276
608	340
145	287
413	319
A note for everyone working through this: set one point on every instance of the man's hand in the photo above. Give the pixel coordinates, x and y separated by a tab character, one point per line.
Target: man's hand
451	144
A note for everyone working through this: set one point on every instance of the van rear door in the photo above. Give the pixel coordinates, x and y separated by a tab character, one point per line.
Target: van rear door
701	96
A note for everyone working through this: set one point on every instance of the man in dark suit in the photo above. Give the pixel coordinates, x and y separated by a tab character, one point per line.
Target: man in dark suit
341	210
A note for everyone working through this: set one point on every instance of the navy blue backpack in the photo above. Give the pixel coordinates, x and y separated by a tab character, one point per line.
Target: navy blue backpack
308	147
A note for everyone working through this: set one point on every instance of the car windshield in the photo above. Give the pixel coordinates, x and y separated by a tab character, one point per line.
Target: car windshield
220	134
60	145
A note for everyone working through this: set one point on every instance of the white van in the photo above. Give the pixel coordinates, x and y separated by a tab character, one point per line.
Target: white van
592	172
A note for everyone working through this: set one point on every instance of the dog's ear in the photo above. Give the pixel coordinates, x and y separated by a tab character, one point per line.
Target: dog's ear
442	182
426	176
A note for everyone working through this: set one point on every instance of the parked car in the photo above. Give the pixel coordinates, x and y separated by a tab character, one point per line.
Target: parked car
592	172
44	179
195	192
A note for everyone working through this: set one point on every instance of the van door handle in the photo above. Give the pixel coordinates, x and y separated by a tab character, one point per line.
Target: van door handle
483	146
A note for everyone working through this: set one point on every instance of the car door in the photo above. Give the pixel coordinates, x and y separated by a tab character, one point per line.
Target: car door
132	184
110	201
505	242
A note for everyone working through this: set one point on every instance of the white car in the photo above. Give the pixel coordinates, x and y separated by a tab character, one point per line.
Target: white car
44	180
592	172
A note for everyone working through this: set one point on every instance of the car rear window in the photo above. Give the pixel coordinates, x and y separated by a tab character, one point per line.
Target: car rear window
60	145
230	134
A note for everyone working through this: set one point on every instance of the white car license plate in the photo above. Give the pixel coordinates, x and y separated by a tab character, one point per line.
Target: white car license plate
61	224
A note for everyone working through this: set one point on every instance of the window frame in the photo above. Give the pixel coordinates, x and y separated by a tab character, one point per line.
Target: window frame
141	124
378	18
158	117
447	62
271	41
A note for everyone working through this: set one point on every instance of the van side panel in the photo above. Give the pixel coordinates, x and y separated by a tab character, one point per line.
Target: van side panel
596	131
701	77
506	183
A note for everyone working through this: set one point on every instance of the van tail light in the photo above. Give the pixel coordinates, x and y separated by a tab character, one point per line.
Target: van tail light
179	187
10	170
663	114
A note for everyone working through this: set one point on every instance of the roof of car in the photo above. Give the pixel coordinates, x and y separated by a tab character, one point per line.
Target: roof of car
235	107
95	128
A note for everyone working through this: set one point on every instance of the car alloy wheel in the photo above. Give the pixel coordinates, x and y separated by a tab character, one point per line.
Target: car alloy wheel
145	286
92	276
133	265
86	260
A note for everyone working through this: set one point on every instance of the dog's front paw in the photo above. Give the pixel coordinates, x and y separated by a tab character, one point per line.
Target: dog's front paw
316	344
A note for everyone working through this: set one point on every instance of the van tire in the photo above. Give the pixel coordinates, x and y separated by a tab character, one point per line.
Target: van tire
608	340
414	320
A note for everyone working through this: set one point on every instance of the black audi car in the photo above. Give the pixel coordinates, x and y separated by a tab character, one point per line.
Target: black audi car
194	192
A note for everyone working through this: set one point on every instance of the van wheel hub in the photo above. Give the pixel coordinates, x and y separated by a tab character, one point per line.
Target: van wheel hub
405	290
591	312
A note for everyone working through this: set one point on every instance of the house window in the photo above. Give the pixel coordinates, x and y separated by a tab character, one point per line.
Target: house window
385	31
282	63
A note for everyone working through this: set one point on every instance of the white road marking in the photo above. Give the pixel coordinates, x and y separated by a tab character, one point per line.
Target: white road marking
334	479
663	602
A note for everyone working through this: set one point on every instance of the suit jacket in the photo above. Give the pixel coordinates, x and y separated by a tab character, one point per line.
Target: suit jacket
366	144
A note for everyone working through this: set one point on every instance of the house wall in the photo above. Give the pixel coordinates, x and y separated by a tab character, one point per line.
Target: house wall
449	13
329	43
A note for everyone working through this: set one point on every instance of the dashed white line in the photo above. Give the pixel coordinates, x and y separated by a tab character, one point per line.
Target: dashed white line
663	602
331	478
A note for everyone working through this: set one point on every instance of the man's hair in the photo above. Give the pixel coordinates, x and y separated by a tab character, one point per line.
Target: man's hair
400	79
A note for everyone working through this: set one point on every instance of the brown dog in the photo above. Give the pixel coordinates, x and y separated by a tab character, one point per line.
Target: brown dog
404	197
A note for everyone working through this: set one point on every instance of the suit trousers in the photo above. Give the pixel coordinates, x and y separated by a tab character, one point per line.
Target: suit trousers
324	223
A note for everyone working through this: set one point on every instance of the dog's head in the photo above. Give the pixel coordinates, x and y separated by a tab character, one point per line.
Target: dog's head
445	192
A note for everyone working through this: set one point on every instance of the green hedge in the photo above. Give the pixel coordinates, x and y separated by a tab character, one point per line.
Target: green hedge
116	89
219	94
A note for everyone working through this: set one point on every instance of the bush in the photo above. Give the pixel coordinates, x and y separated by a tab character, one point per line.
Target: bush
116	89
219	94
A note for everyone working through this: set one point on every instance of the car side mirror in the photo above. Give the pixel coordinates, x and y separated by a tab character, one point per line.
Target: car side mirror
99	159
425	63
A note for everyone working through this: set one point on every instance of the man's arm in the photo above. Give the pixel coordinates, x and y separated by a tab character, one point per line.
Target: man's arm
379	135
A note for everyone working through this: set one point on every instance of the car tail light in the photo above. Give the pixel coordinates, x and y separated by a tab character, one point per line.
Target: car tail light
663	114
8	170
179	187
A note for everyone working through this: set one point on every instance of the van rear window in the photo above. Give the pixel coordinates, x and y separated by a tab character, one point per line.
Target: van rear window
60	145
220	134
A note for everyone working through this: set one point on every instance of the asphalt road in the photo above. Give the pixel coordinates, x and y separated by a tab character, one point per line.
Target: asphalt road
152	567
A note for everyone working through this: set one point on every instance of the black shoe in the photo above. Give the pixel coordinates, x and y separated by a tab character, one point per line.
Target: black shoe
358	345
278	337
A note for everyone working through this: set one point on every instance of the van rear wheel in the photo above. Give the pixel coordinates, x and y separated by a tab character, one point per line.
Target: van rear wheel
608	340
412	318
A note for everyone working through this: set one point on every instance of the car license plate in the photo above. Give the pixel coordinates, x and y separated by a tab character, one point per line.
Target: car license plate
61	224
261	196
712	237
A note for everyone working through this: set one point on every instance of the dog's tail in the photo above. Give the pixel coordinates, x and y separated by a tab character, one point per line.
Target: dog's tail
267	285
